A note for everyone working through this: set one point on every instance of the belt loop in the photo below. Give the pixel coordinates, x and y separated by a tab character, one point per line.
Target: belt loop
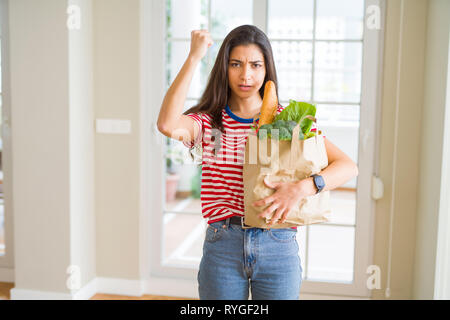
243	225
227	222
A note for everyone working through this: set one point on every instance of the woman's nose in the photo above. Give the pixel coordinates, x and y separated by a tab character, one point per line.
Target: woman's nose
246	72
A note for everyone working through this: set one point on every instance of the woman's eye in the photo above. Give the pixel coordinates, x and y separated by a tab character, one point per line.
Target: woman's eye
237	64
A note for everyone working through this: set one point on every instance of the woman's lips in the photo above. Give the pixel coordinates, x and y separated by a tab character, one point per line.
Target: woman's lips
244	88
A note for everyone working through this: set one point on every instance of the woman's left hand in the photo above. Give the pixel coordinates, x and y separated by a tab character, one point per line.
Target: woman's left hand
286	197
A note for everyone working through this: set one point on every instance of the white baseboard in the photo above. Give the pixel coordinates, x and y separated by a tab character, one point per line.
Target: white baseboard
97	285
86	292
135	288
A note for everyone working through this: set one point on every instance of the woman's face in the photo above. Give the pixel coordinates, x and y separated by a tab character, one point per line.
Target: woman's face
246	70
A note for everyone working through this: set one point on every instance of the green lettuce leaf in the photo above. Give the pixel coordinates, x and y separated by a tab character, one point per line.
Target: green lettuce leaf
297	111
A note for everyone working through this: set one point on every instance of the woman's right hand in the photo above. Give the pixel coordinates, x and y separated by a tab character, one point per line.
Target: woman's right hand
201	40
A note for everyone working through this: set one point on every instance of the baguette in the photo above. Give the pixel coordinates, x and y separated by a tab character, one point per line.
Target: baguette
269	105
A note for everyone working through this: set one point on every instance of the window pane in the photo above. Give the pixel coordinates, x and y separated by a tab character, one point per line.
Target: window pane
183	175
229	14
338	113
189	104
330	253
343	207
338	72
341	19
345	136
177	52
290	19
183	239
293	61
213	51
340	124
184	16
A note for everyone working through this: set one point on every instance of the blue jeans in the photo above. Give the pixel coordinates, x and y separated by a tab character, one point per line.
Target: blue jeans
235	260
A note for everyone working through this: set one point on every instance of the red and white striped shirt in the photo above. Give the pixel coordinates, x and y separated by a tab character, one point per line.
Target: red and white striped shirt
222	186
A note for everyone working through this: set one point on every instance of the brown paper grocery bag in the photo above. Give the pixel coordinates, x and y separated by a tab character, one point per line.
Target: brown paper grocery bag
284	161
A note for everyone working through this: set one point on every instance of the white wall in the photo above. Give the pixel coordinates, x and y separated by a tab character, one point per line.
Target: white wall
40	126
52	152
117	160
71	207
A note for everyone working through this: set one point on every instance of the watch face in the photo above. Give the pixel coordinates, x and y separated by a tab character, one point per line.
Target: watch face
319	182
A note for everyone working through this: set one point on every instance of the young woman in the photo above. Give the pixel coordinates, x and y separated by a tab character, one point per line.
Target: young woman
236	259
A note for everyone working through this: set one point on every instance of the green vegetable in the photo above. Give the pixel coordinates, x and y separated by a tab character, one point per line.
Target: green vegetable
267	127
309	135
291	125
297	111
284	123
263	133
284	134
279	124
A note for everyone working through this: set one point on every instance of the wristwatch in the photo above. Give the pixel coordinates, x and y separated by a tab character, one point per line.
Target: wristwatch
319	182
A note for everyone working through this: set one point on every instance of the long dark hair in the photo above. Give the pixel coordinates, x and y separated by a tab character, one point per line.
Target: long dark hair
217	92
